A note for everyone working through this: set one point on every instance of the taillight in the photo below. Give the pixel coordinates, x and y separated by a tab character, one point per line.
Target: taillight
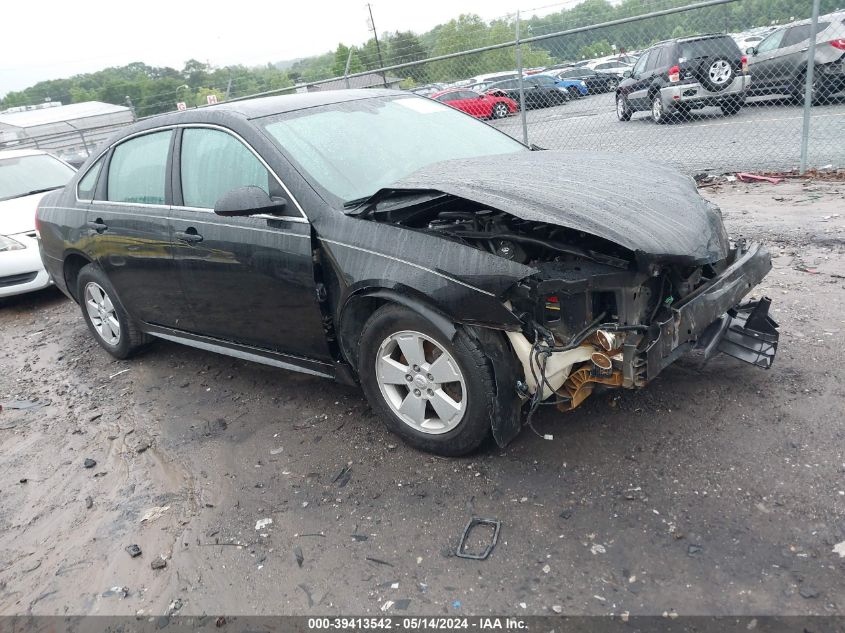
744	64
838	43
675	74
37	223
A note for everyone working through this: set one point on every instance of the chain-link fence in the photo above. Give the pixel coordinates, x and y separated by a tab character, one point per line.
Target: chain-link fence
694	86
717	85
722	85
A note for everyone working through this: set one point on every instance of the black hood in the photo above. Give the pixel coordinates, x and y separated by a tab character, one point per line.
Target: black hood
642	205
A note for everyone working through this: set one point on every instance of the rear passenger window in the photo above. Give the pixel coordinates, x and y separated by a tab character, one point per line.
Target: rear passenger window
85	188
138	169
798	34
214	163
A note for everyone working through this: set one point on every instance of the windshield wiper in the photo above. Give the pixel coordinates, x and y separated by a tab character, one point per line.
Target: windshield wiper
349	204
34	191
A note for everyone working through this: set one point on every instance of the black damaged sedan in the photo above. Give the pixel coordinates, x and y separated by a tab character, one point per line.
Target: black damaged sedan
380	238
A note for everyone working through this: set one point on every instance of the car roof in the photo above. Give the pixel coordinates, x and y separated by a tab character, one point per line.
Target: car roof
450	90
257	108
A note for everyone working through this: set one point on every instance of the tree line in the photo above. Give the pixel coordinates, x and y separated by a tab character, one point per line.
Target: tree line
151	90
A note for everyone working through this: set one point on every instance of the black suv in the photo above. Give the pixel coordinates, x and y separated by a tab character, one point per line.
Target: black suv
676	76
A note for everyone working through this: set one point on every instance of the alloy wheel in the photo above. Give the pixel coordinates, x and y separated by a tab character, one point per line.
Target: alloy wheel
421	382
102	313
657	109
719	72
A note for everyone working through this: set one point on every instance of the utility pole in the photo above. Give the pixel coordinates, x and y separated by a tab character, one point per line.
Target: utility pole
378	48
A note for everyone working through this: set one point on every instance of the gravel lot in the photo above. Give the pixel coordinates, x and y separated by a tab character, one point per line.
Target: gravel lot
766	134
719	489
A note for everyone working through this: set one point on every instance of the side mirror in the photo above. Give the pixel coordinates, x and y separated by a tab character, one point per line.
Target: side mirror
751	50
247	201
626	74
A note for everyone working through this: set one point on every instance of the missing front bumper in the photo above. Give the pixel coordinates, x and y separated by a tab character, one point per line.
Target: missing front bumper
747	333
714	319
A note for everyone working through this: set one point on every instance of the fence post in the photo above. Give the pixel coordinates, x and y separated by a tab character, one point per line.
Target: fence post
808	87
346	70
521	85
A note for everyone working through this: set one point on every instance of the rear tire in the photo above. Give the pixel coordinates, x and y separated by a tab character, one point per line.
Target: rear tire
658	114
112	326
623	111
500	111
445	408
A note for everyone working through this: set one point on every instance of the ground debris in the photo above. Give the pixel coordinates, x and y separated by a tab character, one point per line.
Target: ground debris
133	550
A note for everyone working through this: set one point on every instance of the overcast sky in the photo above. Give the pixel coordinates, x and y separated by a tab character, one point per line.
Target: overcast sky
52	39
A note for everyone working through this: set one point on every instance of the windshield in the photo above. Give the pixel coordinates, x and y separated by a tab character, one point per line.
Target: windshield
24	175
351	150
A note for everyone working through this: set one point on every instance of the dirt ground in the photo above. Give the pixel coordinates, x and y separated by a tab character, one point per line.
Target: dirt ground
719	489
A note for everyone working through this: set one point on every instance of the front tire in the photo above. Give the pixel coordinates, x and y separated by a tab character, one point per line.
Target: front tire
105	315
435	393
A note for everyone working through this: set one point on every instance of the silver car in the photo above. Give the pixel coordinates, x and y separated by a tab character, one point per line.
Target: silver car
778	64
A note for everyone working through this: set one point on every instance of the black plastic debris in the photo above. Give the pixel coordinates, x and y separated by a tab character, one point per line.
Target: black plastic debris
461	551
133	550
157	563
89	503
23	480
402	605
89	463
359	537
379	561
300	558
343	477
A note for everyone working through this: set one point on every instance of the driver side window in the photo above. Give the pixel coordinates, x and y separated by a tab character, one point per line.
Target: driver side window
772	42
213	163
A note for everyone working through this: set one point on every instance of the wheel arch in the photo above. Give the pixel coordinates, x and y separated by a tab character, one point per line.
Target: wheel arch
505	419
358	308
73	262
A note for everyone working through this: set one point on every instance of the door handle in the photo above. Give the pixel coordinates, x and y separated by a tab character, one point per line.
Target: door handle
97	225
190	236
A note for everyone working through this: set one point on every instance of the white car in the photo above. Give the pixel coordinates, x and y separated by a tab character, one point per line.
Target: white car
610	67
25	176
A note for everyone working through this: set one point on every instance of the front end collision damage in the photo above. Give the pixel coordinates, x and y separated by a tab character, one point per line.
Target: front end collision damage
565	299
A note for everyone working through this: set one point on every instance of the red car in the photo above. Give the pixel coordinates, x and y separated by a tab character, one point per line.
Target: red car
478	105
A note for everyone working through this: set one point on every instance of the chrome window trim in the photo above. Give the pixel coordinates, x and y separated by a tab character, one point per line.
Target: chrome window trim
258	156
84	176
303	218
402	261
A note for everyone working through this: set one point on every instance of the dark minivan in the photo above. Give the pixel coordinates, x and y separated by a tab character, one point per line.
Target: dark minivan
679	75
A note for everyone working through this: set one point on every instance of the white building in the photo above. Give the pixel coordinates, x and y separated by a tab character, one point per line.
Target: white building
70	131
